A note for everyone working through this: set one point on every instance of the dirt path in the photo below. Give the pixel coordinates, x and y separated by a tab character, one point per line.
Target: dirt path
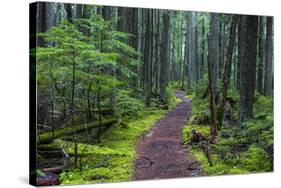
160	153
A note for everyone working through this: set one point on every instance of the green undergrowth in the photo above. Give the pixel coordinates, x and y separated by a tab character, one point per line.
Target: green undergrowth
237	150
47	137
112	159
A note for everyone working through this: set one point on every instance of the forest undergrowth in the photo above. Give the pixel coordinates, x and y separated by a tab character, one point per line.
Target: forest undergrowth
112	160
236	150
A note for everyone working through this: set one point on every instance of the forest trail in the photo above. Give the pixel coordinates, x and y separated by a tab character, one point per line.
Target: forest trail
160	153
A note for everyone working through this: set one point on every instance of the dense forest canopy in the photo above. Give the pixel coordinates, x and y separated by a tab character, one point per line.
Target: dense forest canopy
102	66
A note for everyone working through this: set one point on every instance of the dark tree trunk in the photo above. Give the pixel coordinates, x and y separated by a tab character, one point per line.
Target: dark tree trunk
142	49
121	24
46	19
260	55
164	55
227	67
249	34
69	11
222	46
135	37
268	57
147	57
106	12
212	93
214	48
203	51
191	49
79	11
72	103
196	58
157	54
238	76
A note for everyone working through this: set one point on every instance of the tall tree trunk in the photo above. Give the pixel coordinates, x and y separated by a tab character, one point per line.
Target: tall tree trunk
157	54
221	48
238	76
121	24
212	92
79	11
164	55
196	58
260	55
203	51
268	57
147	58
69	11
106	12
214	47
46	19
191	49
142	49
227	67
72	109
249	34
135	38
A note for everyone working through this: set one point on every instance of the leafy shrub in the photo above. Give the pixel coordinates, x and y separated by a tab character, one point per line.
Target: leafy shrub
255	160
127	106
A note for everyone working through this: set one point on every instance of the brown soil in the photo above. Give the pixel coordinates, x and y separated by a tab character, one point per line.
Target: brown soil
160	153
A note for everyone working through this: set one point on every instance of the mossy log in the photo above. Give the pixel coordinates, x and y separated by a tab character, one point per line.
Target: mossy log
45	138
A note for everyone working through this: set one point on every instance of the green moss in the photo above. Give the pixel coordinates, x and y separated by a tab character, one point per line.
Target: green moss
255	159
47	137
112	159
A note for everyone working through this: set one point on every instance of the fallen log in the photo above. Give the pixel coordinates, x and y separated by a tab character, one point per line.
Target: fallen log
46	138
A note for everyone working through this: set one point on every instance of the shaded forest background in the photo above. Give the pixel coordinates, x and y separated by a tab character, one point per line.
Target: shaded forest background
101	66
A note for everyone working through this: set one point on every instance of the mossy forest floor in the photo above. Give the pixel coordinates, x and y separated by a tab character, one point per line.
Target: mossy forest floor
237	150
158	143
111	160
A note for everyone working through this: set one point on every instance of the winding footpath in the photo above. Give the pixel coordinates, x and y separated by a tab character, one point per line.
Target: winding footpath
160	153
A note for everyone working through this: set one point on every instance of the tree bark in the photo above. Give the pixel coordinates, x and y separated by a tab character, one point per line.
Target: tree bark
227	67
69	11
260	55
212	93
46	19
164	55
147	58
214	48
268	58
249	34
